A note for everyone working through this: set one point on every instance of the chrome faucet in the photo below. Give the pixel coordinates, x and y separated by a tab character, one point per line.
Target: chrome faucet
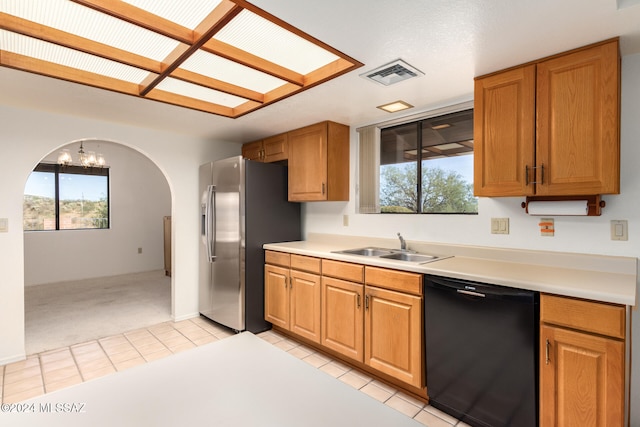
403	243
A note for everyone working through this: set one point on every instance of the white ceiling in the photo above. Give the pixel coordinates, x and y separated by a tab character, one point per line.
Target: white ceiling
451	41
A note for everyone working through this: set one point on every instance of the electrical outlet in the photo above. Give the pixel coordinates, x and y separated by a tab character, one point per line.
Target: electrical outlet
499	225
4	225
345	220
547	227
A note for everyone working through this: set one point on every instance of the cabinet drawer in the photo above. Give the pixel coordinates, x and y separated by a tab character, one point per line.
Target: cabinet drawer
343	270
277	258
393	279
590	316
305	263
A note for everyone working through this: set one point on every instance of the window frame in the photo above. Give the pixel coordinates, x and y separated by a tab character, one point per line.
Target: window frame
368	164
57	169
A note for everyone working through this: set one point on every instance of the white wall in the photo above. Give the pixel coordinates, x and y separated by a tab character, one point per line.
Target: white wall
26	136
572	234
139	199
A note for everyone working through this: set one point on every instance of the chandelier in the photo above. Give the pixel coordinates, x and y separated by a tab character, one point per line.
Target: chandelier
87	159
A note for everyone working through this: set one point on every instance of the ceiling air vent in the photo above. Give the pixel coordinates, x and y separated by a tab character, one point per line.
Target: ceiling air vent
392	72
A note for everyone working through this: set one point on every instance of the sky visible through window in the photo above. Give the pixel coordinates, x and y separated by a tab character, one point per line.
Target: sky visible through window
72	186
461	164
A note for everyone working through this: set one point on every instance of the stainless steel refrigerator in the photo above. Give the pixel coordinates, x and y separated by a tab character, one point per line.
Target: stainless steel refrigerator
243	205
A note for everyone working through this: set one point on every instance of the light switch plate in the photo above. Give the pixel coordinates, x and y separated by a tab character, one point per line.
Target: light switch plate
619	229
4	225
499	225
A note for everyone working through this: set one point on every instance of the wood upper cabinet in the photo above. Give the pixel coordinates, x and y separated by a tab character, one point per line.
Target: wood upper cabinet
252	151
581	363
504	132
319	163
578	141
550	128
272	149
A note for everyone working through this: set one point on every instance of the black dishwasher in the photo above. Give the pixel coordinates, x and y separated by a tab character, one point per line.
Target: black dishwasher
481	348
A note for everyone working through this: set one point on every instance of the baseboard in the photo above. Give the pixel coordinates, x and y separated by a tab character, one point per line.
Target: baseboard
184	316
12	359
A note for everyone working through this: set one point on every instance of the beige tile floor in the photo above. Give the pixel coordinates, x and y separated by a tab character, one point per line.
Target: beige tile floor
52	370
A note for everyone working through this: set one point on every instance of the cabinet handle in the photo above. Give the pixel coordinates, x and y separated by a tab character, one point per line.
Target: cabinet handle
290	282
366	302
526	175
323	188
547	352
358	303
262	154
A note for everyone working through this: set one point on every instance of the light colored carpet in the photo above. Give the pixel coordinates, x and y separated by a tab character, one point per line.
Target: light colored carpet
65	313
240	381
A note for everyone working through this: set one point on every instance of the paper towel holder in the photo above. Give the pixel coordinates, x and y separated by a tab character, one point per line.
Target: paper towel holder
594	203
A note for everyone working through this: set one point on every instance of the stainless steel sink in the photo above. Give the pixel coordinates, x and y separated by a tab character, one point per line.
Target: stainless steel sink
404	256
367	251
391	254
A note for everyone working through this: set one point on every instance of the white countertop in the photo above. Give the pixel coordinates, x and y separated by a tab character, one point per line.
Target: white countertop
600	278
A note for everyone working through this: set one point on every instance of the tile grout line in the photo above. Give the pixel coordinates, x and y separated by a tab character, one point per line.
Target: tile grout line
278	338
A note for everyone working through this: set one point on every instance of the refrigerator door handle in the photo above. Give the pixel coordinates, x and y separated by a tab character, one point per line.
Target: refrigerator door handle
210	236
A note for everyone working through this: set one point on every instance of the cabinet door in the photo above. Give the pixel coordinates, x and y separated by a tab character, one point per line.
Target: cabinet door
578	122
305	305
253	151
276	295
308	163
275	148
581	379
504	133
342	317
393	334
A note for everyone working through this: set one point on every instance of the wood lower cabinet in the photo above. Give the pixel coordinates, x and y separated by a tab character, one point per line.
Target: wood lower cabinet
342	317
305	305
582	370
292	293
370	315
276	293
393	334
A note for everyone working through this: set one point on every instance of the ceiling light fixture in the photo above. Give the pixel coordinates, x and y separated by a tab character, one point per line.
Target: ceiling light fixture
86	159
396	106
225	57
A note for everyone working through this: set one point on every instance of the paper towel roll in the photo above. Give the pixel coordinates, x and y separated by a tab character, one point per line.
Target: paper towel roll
565	207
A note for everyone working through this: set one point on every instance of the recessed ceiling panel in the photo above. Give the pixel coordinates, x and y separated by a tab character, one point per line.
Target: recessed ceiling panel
186	13
73	18
209	55
231	72
194	91
263	38
45	51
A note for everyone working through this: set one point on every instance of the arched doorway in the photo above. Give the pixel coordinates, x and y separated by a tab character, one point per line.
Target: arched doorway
86	283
